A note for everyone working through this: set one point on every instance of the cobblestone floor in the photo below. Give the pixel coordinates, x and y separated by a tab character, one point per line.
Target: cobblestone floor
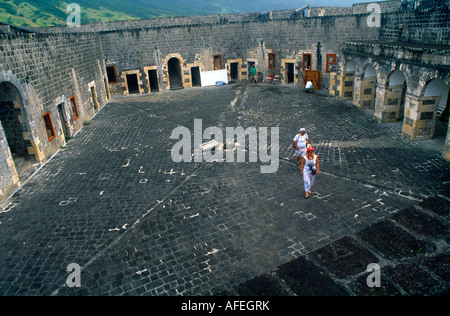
137	223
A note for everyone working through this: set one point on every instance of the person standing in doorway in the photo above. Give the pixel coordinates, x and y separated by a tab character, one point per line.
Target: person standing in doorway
253	74
300	142
310	169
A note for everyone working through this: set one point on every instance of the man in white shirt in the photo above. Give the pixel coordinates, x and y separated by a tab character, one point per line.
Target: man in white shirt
300	142
309	87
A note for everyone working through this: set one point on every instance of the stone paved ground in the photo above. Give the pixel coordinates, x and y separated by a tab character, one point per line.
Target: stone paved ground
138	223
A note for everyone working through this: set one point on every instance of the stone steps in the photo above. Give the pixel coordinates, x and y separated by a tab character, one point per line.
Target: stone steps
176	86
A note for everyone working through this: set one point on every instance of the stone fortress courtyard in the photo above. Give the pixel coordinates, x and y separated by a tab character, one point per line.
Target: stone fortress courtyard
93	203
137	223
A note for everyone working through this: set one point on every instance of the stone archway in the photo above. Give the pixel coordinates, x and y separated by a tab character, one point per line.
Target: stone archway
348	80
12	119
175	74
397	83
421	115
391	106
342	83
436	92
368	88
437	88
16	150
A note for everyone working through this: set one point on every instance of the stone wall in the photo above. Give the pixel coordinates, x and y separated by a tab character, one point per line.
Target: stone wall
39	74
431	27
246	38
324	11
385	6
240	37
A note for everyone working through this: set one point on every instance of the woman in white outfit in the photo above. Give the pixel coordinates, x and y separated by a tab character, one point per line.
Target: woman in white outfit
310	169
300	143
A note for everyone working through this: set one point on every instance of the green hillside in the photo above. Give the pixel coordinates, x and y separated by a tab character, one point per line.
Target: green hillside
53	12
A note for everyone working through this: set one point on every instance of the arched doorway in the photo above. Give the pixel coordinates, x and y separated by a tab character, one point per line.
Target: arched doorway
12	121
438	88
394	99
348	80
342	83
421	115
175	77
435	100
368	88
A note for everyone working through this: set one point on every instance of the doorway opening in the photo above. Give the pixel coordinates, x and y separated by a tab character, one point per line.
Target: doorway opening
250	65
195	76
436	95
234	72
396	95
132	83
444	108
153	78
175	78
348	80
290	72
307	62
368	88
12	121
64	125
